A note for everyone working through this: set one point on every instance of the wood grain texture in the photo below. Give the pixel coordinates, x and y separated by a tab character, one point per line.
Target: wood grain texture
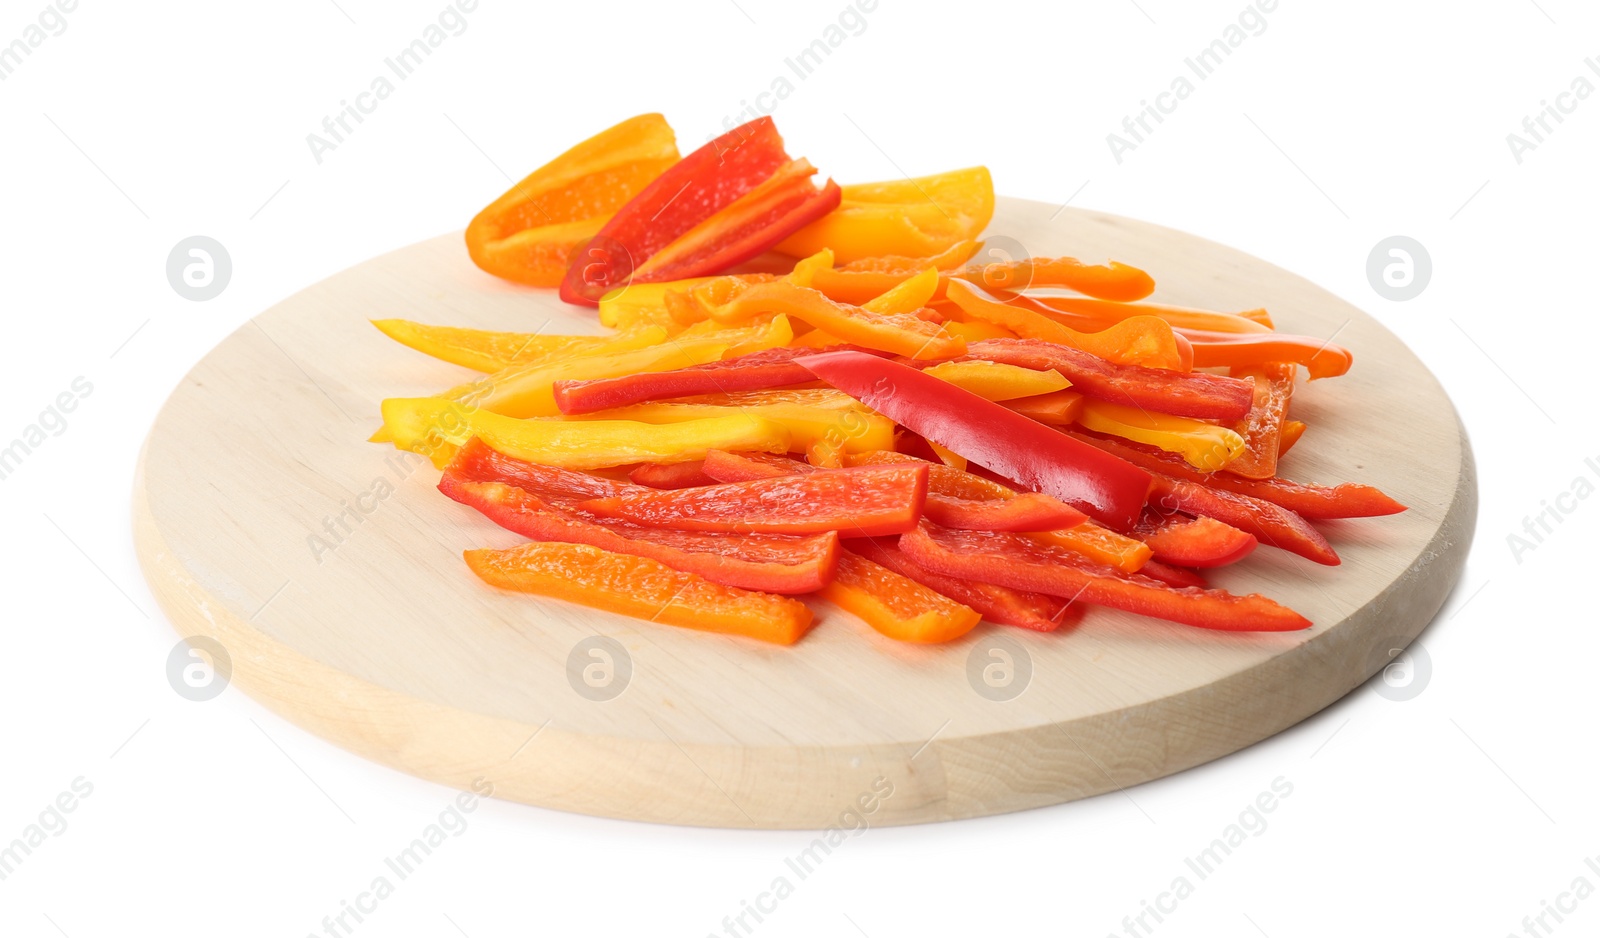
388	646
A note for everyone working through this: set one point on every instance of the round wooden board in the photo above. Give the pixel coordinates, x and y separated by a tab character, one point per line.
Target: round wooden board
380	639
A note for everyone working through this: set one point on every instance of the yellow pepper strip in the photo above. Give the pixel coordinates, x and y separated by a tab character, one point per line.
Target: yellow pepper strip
903	335
1142	340
1206	446
907	296
642	302
911	217
817	338
762	333
806	269
979	330
436	427
811	416
949	457
482	350
1059	409
995	381
1180	317
1127	554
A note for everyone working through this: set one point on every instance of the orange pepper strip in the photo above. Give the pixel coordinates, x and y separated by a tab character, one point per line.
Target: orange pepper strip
1058	409
860	281
1102	544
1262	428
1082	313
1321	358
640	587
895	605
1114	281
907	296
902	335
530	233
1292	430
1140	340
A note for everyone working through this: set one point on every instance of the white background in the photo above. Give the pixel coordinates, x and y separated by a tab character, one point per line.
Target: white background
1458	812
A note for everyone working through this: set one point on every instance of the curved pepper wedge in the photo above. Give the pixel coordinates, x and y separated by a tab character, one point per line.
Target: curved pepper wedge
641	587
530	234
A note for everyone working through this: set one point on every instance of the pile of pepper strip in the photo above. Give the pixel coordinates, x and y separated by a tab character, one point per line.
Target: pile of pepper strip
924	441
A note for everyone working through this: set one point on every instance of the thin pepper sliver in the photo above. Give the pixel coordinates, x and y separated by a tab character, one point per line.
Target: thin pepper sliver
1321	358
1262	429
1271	524
1014	560
1138	340
895	605
998	604
640	587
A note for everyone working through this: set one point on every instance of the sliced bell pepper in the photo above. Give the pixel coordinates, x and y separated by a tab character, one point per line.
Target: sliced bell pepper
998	604
1053	410
1271	524
709	183
949	457
1039	458
1016	561
771	563
942	480
475	461
896	605
530	233
1321	358
1139	340
646	304
1197	542
813	416
1262	429
900	334
486	351
977	330
1206	446
640	587
1292	431
742	467
758	371
861	502
994	381
1027	511
1317	502
1183	394
1173	576
1101	545
907	296
678	475
1082	312
909	217
434	427
751	224
1116	282
862	280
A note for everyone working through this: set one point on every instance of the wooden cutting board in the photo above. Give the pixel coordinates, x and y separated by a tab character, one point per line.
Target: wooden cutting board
330	571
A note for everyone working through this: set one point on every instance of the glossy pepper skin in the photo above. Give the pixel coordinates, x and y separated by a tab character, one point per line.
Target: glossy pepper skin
989	434
768	563
680	203
1138	340
1317	502
908	217
860	502
641	587
1321	358
530	234
1182	394
1014	560
758	371
1271	524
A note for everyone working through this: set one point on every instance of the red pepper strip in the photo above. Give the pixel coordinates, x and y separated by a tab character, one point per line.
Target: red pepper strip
861	502
1237	349
780	206
680	475
734	467
1002	440
758	371
1316	502
1160	390
476	462
1263	427
770	563
1198	542
1173	576
999	604
1271	524
686	194
1016	561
